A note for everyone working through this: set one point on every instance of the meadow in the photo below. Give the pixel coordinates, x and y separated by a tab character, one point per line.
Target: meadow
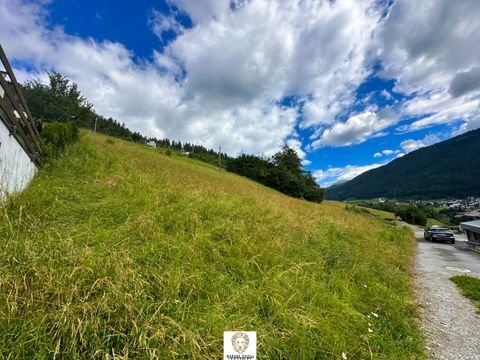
121	251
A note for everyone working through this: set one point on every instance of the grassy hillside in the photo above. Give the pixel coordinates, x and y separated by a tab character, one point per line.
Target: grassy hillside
116	250
448	169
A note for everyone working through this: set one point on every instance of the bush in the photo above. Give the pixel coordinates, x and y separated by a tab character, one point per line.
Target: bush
284	172
168	152
413	215
56	135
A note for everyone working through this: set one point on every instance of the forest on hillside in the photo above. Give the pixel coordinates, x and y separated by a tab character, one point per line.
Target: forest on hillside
449	169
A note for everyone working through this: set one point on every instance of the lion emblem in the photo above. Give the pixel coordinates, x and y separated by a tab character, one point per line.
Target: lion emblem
240	342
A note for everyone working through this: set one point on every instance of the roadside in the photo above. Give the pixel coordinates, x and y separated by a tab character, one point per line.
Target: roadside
448	320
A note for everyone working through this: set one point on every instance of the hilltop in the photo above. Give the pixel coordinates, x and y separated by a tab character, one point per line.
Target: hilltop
120	250
449	169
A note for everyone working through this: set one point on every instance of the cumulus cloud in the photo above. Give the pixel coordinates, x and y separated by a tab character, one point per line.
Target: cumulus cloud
412	145
204	10
386	94
357	129
161	23
436	59
472	125
223	81
334	175
386	152
438	108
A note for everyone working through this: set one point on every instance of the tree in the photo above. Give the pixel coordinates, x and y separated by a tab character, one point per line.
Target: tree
288	160
61	100
284	172
412	214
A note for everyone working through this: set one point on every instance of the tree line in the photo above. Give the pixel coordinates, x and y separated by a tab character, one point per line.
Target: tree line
283	172
411	213
61	101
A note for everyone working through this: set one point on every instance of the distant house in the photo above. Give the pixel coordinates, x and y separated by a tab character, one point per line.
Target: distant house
472	215
152	144
472	229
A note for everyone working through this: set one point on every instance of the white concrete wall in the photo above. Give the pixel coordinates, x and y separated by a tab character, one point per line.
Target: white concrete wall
16	168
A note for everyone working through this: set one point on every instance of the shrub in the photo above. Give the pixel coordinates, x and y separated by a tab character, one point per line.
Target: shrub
56	135
284	172
413	215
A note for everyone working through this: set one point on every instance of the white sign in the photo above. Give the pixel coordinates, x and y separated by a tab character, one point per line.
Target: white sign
239	345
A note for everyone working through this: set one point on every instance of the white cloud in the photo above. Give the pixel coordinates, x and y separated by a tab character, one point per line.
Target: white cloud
204	10
334	175
472	125
357	129
223	80
386	152
412	145
296	145
386	94
236	65
435	59
438	108
161	23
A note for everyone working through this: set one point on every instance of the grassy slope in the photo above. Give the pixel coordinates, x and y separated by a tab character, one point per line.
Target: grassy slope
380	213
177	252
391	216
470	287
432	222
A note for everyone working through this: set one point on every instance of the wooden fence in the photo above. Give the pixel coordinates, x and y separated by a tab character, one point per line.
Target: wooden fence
15	114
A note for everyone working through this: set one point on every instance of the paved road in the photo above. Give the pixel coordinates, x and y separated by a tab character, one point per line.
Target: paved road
448	320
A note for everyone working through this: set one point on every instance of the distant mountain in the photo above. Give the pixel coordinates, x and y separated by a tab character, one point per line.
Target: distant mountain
447	169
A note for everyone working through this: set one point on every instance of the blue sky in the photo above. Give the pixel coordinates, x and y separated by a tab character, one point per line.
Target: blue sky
350	85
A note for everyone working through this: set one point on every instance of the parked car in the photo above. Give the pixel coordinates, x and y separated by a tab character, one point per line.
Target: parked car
436	233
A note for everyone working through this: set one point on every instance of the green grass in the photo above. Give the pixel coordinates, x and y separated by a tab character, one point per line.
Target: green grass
391	216
470	287
118	251
432	222
380	213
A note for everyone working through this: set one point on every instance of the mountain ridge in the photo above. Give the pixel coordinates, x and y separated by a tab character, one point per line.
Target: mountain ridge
450	168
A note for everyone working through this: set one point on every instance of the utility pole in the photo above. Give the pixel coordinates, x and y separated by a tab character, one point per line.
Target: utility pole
220	156
95	128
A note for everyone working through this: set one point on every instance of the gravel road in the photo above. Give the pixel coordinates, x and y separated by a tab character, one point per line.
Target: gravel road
449	321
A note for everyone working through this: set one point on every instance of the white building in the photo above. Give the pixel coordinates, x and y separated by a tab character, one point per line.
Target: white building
20	151
472	229
152	144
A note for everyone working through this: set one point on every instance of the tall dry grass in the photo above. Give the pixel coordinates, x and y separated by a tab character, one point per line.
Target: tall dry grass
118	251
